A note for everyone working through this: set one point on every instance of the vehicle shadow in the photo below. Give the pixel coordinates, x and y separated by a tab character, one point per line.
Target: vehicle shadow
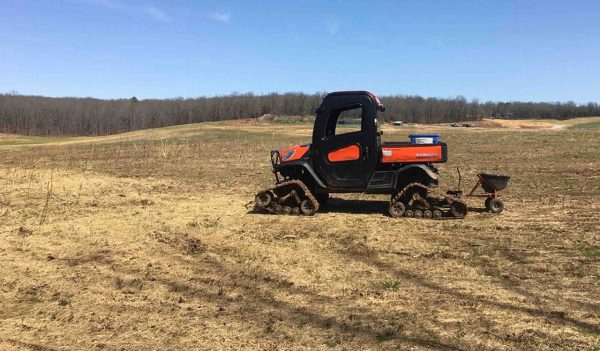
339	205
478	209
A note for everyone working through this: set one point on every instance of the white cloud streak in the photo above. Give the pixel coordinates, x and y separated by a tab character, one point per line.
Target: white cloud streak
149	10
111	4
157	14
333	27
221	16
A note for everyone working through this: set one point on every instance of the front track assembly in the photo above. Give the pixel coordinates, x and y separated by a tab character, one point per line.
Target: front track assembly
290	197
419	201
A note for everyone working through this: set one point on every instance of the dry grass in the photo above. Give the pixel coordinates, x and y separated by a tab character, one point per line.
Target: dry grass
143	241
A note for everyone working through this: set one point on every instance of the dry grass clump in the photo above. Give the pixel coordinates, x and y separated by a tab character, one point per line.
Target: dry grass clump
145	243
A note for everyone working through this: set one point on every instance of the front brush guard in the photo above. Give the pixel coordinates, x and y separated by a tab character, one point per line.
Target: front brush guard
275	162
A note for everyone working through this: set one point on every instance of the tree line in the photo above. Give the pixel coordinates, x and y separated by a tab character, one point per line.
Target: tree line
38	115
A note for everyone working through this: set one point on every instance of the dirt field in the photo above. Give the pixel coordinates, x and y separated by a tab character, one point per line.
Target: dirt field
582	122
143	242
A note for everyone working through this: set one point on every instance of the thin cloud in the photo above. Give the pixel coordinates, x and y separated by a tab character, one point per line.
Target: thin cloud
111	4
149	10
221	16
157	14
333	27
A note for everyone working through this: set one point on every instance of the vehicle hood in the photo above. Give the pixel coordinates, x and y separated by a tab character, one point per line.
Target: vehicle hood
293	153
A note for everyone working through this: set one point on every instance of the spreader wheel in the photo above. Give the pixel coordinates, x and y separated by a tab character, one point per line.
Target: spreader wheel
494	205
427	214
409	213
418	214
307	207
437	214
396	209
458	209
263	199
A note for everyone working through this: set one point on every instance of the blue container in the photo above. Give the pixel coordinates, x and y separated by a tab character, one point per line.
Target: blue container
419	138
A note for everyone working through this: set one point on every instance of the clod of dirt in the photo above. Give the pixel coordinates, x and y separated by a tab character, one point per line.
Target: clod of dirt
25	232
142	202
193	246
179	240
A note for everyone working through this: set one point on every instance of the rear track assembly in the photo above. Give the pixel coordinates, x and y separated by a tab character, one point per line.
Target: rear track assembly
419	201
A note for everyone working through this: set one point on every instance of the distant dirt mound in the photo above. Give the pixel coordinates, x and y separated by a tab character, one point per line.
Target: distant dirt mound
518	123
266	118
488	123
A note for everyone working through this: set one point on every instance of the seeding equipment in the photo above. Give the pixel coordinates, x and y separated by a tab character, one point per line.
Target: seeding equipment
338	161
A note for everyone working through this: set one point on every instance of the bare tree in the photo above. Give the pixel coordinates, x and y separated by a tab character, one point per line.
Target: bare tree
37	115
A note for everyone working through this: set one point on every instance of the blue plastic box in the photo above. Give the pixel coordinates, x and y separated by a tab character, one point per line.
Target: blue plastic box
434	137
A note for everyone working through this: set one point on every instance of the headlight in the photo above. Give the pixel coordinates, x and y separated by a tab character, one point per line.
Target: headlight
288	155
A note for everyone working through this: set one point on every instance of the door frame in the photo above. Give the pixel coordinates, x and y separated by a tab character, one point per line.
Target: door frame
338	175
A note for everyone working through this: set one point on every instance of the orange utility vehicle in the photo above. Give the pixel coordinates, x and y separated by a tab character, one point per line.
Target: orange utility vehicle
347	156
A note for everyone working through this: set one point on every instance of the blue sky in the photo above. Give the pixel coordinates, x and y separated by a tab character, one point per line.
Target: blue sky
491	50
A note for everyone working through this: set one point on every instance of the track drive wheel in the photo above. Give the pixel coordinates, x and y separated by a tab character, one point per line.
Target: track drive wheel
418	214
277	208
494	205
436	214
307	207
263	199
409	213
396	209
458	209
427	214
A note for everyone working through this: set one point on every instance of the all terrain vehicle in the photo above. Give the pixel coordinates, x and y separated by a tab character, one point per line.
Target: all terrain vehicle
340	160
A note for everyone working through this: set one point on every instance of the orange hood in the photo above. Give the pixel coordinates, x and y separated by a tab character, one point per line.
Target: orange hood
293	153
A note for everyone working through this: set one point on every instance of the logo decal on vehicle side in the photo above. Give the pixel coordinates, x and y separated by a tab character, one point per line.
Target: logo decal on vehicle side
433	154
386	152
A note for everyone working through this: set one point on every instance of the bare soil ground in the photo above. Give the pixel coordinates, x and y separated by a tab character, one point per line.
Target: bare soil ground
142	241
534	124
